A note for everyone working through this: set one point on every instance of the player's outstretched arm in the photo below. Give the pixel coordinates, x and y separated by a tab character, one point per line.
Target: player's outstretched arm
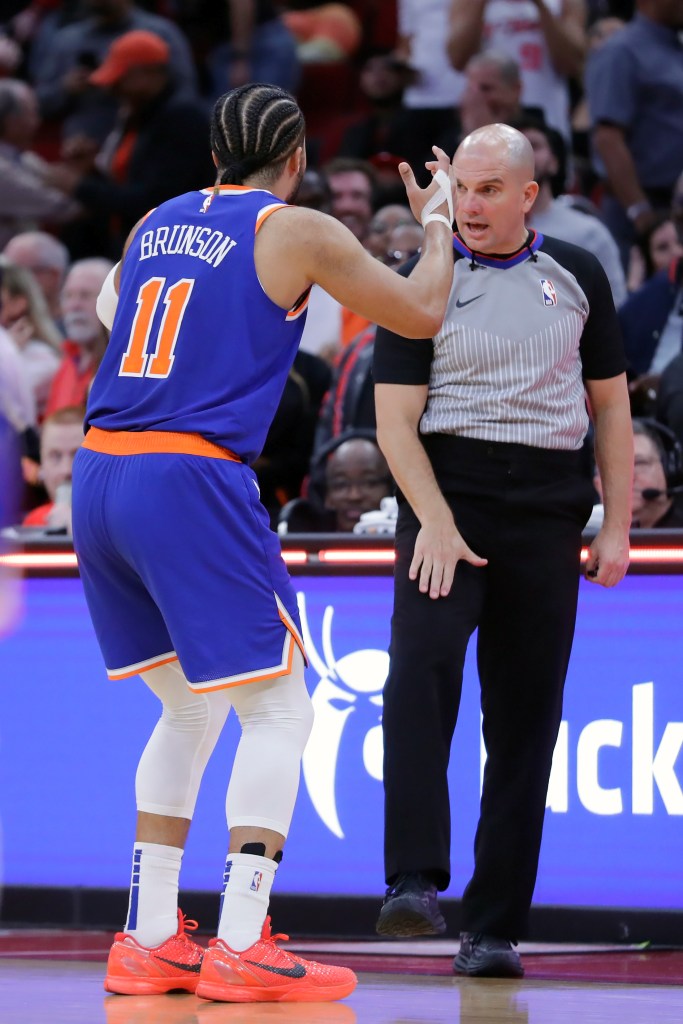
299	247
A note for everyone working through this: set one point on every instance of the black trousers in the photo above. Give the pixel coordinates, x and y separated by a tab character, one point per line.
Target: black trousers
524	510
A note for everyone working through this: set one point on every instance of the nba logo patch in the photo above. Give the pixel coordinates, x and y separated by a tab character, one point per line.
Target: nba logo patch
207	203
549	294
256	881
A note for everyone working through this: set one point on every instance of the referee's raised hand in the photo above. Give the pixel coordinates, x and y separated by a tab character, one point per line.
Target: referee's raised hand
420	197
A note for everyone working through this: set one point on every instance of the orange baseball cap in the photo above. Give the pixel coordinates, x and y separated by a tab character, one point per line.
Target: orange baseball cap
131	50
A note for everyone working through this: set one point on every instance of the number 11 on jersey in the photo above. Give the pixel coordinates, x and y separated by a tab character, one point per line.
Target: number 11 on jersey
136	361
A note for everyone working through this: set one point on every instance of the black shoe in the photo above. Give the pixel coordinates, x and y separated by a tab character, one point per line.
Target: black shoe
485	956
410	908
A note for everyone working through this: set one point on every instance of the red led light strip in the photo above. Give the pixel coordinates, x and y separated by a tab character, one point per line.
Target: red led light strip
36	560
327	556
374	556
294	557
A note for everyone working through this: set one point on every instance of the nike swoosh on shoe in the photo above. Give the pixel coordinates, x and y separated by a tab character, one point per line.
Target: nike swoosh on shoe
192	968
298	971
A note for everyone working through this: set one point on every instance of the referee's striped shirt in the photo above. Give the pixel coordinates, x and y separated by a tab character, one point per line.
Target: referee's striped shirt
521	334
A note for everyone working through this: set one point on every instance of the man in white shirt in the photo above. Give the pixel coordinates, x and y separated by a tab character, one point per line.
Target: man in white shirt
547	38
551	216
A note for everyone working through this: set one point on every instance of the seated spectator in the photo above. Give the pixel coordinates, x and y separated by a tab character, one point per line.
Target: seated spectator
86	338
60	438
349	476
353	185
404	242
382	224
286	456
356	479
548	42
62	79
492	95
159	148
47	258
314	192
24	313
26	198
652	327
561	221
656	247
669	408
657	472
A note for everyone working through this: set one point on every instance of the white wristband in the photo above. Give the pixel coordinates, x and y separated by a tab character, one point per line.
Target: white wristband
443	194
437	216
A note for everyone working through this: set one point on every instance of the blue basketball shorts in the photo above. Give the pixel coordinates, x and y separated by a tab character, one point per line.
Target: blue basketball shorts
178	562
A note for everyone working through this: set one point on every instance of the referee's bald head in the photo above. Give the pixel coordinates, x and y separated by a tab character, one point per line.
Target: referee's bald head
499	142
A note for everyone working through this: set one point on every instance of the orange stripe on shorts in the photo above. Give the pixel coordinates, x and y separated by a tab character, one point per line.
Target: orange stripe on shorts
154	442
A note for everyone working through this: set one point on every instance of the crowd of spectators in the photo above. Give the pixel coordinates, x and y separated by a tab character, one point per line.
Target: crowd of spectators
104	110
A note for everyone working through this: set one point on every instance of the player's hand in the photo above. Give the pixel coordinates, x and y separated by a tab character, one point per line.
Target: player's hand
438	549
608	557
418	197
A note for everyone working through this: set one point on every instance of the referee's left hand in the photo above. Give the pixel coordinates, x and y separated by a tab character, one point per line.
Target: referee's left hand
608	557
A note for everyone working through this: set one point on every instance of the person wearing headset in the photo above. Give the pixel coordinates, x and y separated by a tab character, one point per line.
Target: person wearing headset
657	496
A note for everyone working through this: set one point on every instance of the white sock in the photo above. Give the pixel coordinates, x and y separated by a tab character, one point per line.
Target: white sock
247	882
153	905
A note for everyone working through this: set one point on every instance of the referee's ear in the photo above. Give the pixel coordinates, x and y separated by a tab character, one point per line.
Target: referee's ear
530	193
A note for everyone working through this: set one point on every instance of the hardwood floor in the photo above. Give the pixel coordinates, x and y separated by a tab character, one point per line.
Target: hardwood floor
70	992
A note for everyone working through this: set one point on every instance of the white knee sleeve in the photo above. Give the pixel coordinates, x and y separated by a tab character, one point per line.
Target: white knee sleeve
276	718
173	762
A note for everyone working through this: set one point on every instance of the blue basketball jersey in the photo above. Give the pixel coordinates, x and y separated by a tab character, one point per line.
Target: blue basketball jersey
196	345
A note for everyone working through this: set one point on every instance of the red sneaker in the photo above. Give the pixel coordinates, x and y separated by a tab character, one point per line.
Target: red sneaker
265	973
134	970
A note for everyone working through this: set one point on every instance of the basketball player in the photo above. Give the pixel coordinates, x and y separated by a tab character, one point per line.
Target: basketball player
183	577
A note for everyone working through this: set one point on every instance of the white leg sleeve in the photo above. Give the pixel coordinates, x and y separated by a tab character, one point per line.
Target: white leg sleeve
173	762
276	718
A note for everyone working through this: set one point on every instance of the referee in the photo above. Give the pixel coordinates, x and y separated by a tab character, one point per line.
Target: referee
482	427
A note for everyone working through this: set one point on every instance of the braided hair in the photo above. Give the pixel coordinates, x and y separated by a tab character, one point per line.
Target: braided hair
255	128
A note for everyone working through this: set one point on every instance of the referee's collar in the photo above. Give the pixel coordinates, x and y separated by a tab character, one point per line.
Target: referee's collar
533	242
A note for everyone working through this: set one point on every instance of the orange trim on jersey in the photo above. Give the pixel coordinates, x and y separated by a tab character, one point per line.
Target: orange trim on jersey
127	673
266	212
154	442
295	312
297	639
232	188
